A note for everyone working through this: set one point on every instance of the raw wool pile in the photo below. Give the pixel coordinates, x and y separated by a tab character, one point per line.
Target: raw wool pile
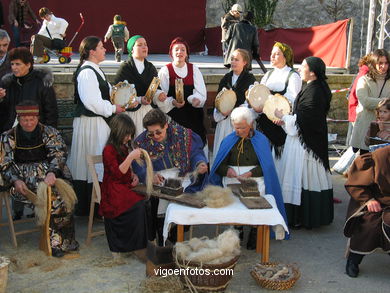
210	251
279	272
216	196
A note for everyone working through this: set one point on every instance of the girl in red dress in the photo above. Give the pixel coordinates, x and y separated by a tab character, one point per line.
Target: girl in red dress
124	211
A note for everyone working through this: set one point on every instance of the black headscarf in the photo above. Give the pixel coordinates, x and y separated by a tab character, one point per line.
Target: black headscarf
311	107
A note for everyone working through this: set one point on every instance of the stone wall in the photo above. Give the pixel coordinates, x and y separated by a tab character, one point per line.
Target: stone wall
64	88
306	13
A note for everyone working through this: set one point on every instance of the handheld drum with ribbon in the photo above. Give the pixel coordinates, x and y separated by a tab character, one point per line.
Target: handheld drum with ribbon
274	102
152	89
257	95
123	94
179	90
225	100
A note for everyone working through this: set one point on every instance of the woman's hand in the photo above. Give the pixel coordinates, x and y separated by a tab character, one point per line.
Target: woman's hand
278	113
245	175
145	101
134	180
177	104
135	154
202	168
278	122
20	187
119	109
158	179
162	97
195	102
374	206
50	179
231	173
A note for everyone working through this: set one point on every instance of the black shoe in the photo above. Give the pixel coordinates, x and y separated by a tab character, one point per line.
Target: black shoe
251	244
352	269
56	252
17	217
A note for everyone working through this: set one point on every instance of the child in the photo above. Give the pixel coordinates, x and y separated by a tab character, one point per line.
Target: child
379	131
124	211
119	34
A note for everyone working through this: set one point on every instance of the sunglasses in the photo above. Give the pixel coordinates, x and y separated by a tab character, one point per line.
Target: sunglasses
154	133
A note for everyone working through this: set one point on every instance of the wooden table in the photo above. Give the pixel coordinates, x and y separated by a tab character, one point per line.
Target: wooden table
235	214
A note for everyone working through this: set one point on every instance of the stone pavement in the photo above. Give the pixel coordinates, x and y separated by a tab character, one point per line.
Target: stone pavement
318	253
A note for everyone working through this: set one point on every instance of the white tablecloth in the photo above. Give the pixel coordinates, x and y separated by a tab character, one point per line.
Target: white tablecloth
234	213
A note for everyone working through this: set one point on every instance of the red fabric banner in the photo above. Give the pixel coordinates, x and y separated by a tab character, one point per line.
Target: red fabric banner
328	42
158	21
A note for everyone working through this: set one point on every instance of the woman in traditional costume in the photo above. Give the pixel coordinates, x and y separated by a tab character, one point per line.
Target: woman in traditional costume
304	165
284	80
35	153
140	72
246	153
368	216
370	90
90	128
238	79
123	209
189	113
175	151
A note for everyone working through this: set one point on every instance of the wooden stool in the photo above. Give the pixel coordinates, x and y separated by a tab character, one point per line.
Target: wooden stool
45	236
95	197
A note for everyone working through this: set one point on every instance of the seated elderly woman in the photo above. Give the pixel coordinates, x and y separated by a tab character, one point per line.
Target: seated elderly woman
368	216
175	151
246	153
33	153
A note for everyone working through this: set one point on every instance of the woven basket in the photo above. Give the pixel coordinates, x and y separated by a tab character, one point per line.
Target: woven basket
275	284
206	283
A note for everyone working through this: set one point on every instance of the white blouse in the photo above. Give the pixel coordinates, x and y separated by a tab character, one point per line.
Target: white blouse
277	82
199	91
89	92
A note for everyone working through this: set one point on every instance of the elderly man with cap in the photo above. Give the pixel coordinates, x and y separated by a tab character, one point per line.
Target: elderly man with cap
35	153
233	16
140	72
245	153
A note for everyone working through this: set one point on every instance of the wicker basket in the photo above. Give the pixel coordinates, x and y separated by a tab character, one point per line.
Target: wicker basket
4	263
206	283
275	284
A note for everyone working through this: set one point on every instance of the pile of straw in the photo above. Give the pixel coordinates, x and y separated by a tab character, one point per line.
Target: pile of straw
215	196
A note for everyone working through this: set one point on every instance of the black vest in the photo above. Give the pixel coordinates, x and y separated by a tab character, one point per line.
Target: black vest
103	87
29	148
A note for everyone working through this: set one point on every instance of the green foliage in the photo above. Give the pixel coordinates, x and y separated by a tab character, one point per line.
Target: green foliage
263	11
227	4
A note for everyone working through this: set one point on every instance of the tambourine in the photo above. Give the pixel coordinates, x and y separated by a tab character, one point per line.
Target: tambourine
152	89
179	90
123	94
274	102
225	100
257	96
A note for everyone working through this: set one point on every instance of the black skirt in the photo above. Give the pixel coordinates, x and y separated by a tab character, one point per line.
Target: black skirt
128	231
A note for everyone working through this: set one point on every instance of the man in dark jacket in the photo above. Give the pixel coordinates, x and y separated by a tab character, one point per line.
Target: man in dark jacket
242	35
5	65
26	83
232	17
